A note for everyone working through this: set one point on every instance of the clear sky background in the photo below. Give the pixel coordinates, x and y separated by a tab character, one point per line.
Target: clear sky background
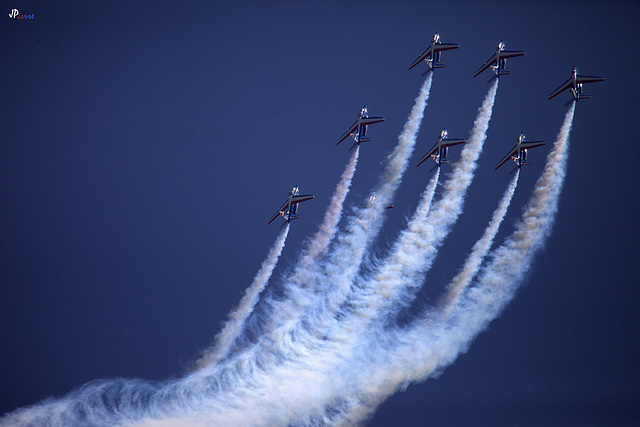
145	145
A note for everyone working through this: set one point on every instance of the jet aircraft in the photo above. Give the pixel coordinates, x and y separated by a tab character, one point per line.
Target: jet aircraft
498	61
368	216
441	148
289	209
358	130
519	153
432	55
575	83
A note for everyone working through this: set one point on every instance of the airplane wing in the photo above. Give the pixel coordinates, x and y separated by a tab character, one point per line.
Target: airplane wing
508	156
351	130
532	144
429	153
300	199
589	79
284	208
422	57
486	65
371	120
452	142
441	47
510	54
566	85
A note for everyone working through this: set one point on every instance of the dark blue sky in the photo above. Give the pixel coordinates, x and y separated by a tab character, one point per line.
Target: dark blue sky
145	145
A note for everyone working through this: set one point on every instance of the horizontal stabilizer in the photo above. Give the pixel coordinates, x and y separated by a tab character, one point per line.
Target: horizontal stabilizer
576	98
431	68
291	218
358	142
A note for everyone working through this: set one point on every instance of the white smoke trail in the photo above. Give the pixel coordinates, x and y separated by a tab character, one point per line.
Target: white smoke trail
232	328
429	235
305	377
282	348
279	350
344	261
480	249
436	341
320	242
397	278
284	340
327	338
369	299
350	330
299	287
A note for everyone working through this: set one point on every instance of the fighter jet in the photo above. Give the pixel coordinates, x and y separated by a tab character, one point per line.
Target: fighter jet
289	208
498	61
358	130
519	153
441	148
432	55
575	84
368	216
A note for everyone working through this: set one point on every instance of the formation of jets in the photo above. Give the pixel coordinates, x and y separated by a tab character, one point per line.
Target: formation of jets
440	150
431	56
519	153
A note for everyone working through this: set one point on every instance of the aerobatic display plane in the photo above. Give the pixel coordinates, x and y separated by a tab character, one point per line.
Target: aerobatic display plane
432	55
575	83
358	131
368	216
519	153
498	61
289	209
440	150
